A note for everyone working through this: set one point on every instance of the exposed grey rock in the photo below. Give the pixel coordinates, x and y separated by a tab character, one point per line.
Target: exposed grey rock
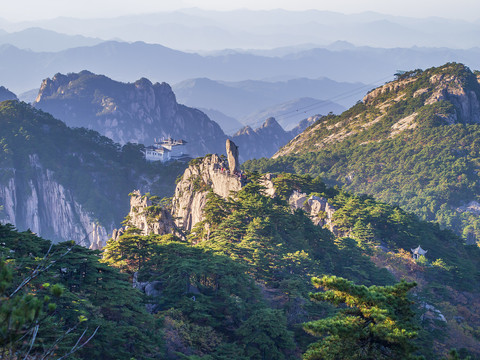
149	288
317	208
267	182
128	112
232	156
190	198
150	220
472	207
466	102
48	209
431	312
297	200
203	175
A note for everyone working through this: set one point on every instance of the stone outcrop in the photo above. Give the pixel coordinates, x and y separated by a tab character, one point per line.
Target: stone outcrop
149	288
128	112
147	216
317	208
430	312
232	156
389	88
44	206
203	175
451	88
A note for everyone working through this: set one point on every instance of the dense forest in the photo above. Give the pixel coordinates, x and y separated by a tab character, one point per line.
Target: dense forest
239	286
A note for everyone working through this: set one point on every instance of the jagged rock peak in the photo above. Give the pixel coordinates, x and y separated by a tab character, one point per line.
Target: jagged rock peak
210	173
148	215
232	156
271	122
137	112
143	82
247	130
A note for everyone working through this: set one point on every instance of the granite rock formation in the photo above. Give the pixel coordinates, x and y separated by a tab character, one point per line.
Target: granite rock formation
47	208
317	208
128	112
203	175
232	156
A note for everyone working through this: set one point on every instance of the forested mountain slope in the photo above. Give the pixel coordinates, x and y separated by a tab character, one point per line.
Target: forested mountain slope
236	284
412	142
69	184
284	229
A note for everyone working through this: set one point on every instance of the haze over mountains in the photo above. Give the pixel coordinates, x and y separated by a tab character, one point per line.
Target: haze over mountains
38	39
276	44
252	100
22	70
198	29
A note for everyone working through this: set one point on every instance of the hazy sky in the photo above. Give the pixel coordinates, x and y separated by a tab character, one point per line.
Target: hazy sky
19	10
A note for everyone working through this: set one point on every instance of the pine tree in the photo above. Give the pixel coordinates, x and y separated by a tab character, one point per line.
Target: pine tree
375	324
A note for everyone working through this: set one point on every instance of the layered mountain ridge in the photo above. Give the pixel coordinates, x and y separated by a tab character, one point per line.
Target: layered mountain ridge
142	112
266	139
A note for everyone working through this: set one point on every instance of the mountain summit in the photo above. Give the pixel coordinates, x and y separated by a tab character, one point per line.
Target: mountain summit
127	112
445	95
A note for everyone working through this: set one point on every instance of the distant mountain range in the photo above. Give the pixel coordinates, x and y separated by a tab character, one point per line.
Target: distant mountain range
38	39
22	70
253	100
195	29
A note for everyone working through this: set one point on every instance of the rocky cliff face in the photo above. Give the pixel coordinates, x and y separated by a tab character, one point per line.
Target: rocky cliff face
317	208
127	112
70	184
40	203
203	175
148	216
